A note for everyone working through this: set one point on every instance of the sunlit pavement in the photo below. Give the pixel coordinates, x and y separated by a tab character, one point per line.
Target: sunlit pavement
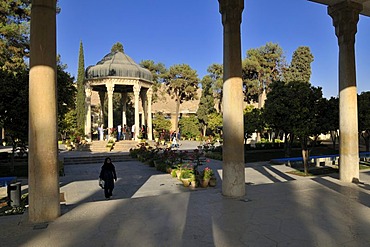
150	208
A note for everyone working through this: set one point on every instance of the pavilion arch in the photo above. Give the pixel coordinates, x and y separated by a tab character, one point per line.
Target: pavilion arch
43	151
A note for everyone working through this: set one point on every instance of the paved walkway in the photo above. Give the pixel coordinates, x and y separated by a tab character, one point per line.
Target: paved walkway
150	208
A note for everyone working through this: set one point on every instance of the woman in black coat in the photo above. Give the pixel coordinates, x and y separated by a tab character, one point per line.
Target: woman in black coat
108	174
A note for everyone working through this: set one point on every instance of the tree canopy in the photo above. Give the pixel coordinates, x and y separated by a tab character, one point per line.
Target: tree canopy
364	118
182	84
158	71
80	100
294	108
207	103
14	34
261	67
300	66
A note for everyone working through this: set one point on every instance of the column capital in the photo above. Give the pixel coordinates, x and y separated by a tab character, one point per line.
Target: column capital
136	88
345	18
231	11
149	93
110	88
88	90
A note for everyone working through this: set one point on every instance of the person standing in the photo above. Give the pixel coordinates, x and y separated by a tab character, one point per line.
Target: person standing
133	131
119	132
108	175
124	131
101	132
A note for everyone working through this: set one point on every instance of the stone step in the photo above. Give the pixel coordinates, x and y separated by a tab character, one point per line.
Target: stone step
90	159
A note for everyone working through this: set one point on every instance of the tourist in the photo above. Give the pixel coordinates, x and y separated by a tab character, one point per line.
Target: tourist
101	132
133	132
124	131
119	132
108	174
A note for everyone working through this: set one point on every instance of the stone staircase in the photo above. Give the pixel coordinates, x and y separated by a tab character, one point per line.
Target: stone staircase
100	146
97	158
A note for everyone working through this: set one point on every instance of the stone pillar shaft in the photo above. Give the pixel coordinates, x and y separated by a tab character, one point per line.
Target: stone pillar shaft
43	172
143	102
110	90
102	98
345	17
137	88
150	122
124	108
233	174
88	113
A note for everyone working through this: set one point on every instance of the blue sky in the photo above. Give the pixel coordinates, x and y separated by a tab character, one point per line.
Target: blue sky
190	32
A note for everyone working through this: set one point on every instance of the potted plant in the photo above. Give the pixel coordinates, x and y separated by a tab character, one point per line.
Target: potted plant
186	175
206	175
212	181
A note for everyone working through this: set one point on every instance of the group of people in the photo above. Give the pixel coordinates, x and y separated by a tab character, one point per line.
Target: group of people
123	132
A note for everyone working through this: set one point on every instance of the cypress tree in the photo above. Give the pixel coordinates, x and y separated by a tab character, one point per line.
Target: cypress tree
80	102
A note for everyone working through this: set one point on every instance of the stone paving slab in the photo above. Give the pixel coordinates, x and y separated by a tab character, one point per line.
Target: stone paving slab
151	209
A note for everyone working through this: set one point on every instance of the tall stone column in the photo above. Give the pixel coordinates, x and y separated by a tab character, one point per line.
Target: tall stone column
110	90
143	104
124	108
149	95
102	99
136	89
233	176
43	172
88	113
345	17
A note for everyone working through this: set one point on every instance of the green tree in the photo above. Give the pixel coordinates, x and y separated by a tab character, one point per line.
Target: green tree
189	126
253	120
261	67
66	93
330	118
206	104
364	117
215	71
182	84
158	71
161	123
80	101
294	108
215	121
300	66
14	105
117	47
14	34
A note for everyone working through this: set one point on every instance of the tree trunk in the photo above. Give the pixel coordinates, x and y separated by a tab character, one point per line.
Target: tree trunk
305	154
177	114
288	143
204	130
333	137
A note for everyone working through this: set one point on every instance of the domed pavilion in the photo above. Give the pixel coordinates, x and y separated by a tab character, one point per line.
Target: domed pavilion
118	73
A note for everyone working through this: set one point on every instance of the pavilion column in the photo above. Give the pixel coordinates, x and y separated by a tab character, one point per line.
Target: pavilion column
149	95
102	99
345	17
124	108
143	103
136	89
233	174
110	90
88	113
43	172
